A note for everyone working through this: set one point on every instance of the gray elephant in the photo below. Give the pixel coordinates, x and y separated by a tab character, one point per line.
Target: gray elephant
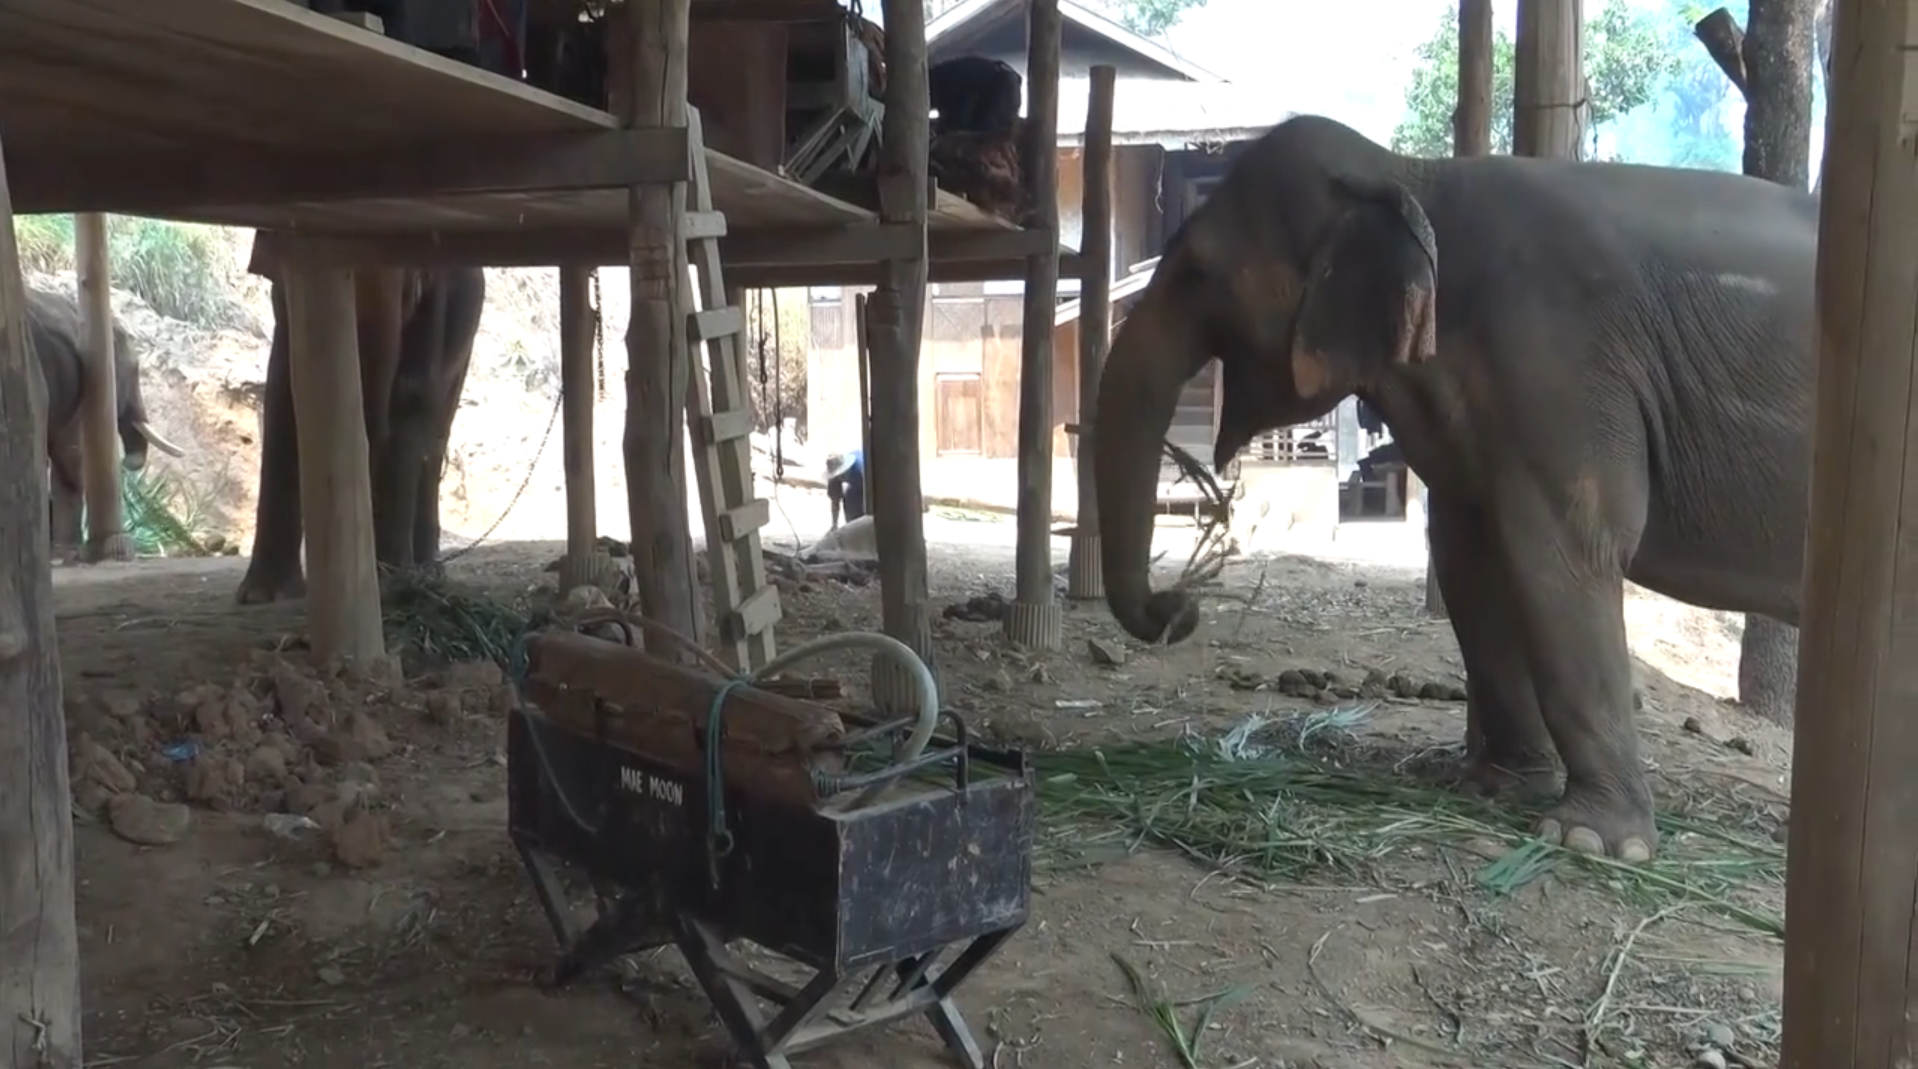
1602	371
416	334
58	334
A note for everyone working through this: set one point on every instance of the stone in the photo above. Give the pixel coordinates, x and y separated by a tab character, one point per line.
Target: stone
139	819
1110	654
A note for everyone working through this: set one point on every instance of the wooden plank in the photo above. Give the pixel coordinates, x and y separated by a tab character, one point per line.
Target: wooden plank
756	617
661	709
39	939
181	182
724	426
167	69
1851	875
737	523
715	323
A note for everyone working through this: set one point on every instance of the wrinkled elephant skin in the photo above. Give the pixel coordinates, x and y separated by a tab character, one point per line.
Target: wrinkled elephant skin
416	334
58	334
1603	372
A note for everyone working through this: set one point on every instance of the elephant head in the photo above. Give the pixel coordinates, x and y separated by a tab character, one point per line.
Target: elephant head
136	434
1309	274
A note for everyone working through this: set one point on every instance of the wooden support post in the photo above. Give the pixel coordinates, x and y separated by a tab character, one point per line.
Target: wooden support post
654	47
39	939
99	396
1471	136
1852	875
1548	79
863	352
896	313
336	494
1085	578
1034	619
578	323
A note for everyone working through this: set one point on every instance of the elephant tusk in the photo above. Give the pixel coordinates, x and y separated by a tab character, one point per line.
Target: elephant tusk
153	438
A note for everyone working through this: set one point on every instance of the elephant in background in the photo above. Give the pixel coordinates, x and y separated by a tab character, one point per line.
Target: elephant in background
416	334
58	334
1629	397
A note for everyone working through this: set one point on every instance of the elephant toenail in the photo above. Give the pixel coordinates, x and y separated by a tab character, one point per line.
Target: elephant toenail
1585	841
1634	852
1549	831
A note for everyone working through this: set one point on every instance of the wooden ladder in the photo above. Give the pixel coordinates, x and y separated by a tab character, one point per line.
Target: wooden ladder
721	423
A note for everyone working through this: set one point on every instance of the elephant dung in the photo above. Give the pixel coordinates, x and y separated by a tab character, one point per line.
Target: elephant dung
139	819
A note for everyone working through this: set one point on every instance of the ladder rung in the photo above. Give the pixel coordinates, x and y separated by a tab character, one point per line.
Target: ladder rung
724	426
717	323
759	612
737	523
705	226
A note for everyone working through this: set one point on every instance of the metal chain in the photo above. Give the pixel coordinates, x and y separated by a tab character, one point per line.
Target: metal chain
599	361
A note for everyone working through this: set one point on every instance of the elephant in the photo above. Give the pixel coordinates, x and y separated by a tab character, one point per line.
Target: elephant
416	334
58	335
1606	376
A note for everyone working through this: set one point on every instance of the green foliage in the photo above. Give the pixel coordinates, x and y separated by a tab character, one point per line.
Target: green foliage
163	517
1628	61
177	268
1150	18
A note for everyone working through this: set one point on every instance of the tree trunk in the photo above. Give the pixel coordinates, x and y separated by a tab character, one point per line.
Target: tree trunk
1772	66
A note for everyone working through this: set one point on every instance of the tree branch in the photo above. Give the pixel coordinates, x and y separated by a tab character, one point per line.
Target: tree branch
1722	38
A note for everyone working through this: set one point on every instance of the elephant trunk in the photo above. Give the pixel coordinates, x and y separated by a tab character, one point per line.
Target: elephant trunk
1153	355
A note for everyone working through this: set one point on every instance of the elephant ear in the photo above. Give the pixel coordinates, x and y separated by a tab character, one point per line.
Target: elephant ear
1372	296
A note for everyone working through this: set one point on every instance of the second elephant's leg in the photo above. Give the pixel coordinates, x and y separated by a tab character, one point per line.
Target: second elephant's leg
274	571
1506	742
64	496
1567	563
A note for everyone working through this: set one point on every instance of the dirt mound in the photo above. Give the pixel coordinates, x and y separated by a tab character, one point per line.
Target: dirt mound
302	747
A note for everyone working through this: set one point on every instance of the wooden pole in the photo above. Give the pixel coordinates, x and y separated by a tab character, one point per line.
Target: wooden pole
896	313
1085	578
39	939
1548	79
1034	620
578	320
336	493
99	396
863	352
656	350
1471	136
1851	872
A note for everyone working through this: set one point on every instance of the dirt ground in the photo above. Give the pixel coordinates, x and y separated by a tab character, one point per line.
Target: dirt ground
402	932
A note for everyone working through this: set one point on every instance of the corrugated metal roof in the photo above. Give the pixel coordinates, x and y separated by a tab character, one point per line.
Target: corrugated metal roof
1149	111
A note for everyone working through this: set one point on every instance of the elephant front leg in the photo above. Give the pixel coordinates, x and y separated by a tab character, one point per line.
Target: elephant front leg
1567	567
64	499
1506	743
274	572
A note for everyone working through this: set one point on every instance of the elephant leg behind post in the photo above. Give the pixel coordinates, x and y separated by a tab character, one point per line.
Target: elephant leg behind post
275	572
435	351
65	492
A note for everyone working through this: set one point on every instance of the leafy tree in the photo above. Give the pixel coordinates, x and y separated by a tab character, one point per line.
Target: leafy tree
1627	62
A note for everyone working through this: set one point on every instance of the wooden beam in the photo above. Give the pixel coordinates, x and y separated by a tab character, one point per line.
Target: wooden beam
39	938
1034	619
817	248
895	313
1548	79
336	494
650	42
174	183
1851	873
578	327
99	397
1085	577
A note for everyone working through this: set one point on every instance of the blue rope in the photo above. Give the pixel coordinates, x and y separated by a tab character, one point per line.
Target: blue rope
719	838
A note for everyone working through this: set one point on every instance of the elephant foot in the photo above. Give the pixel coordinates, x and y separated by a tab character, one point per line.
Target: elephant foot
264	585
1529	777
1604	823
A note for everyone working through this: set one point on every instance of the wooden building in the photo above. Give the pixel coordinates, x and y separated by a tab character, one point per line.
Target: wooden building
1175	126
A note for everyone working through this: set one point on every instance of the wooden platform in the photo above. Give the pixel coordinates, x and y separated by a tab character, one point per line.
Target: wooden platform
258	113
